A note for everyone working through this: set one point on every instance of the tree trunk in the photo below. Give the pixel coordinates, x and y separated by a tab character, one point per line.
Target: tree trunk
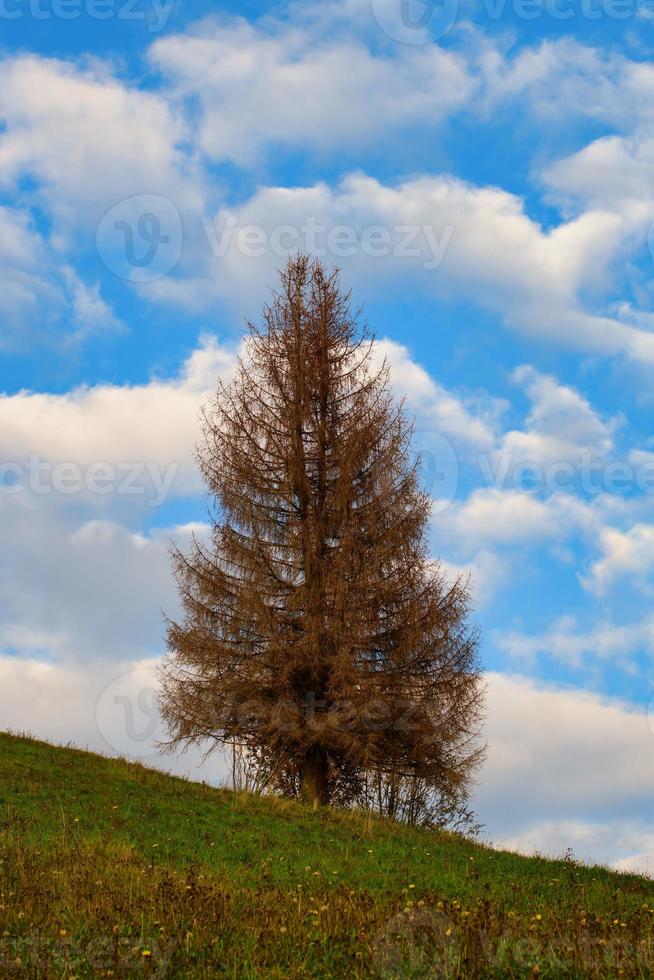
313	783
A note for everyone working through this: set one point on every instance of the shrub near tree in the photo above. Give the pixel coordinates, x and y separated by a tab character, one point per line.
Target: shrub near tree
317	634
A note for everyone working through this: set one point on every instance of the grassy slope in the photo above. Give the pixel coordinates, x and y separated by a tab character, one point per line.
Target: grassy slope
109	869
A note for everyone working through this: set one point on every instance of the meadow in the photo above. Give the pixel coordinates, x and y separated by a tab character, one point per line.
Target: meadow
108	869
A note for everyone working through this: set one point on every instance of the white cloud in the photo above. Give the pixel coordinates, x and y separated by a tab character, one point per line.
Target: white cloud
561	426
42	301
89	139
562	758
95	586
156	423
489	516
625	554
482	246
90	314
592	842
566	79
632	839
72	568
488	573
563	80
26	292
570	644
108	708
245	76
614	171
465	420
464	242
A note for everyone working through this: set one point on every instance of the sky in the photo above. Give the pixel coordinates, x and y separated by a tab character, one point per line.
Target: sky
482	172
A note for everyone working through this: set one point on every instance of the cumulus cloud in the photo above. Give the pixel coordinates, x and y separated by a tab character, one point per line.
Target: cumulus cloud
489	516
95	587
610	171
220	88
624	555
467	420
158	422
83	474
155	423
41	300
445	237
243	76
615	170
561	426
558	758
567	642
28	292
108	708
89	139
563	79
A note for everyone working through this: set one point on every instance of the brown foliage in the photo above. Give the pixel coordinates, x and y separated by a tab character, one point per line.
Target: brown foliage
317	632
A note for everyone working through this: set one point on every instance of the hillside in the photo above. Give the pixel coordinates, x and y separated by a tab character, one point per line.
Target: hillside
109	869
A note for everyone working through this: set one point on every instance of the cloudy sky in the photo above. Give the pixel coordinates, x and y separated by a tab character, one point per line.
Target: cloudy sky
483	173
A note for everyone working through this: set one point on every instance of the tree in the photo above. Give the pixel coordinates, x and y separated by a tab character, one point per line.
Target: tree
412	800
317	633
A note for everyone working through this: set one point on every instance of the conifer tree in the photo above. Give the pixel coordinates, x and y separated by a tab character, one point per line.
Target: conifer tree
317	634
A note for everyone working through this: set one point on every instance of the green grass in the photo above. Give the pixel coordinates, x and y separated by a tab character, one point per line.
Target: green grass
110	869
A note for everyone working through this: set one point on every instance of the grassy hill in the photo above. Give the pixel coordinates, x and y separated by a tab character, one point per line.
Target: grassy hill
109	869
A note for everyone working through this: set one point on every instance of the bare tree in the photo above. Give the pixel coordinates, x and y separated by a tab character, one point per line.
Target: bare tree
412	800
317	632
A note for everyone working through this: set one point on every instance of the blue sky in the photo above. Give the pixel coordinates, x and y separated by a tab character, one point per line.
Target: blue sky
483	175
